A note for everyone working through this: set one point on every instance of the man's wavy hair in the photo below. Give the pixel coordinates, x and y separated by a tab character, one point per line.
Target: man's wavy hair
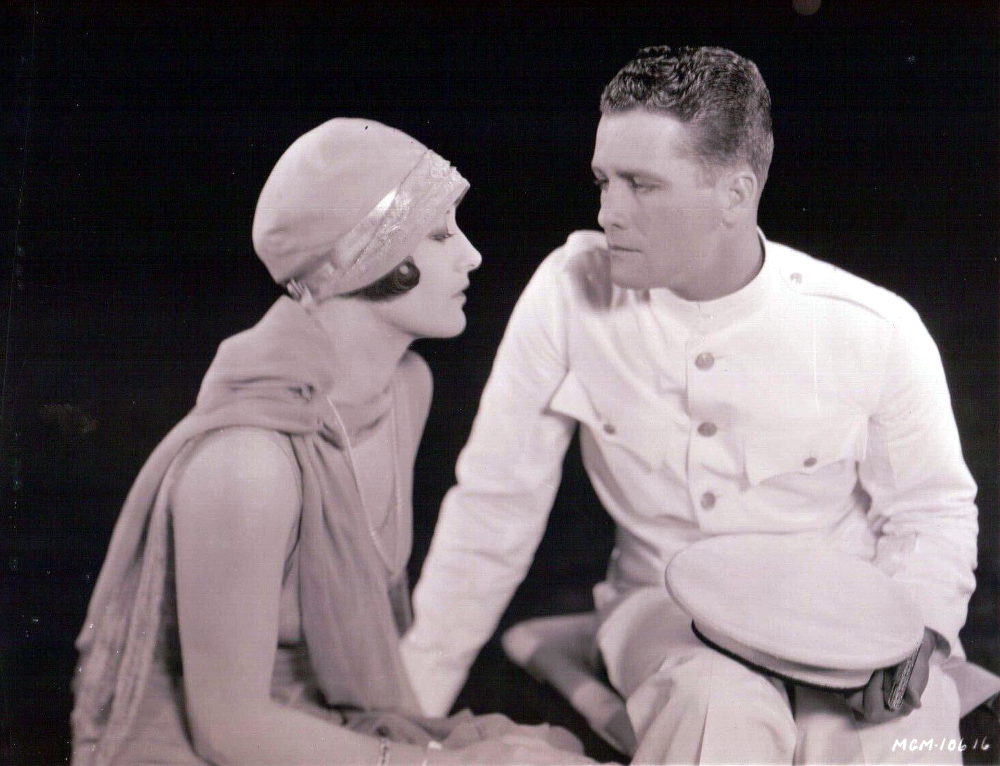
719	94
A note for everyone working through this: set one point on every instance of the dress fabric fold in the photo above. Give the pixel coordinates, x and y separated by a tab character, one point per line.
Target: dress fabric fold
273	376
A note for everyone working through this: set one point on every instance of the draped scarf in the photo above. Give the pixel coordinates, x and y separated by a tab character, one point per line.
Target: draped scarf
275	376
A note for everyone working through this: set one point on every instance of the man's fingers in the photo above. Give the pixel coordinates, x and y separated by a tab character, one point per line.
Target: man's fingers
921	671
530	749
874	698
912	697
855	700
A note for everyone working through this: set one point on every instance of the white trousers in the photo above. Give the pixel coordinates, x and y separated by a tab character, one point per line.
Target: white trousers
690	704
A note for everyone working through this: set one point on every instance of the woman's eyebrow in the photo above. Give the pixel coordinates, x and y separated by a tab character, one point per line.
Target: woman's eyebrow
442	227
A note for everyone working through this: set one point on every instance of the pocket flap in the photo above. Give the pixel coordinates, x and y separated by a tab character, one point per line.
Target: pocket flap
803	451
624	424
571	399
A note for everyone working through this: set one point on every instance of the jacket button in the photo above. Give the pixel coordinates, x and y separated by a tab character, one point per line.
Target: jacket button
704	361
708	501
809	462
707	429
610	429
795	277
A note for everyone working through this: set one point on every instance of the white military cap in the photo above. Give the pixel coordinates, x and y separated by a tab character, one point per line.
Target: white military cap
795	608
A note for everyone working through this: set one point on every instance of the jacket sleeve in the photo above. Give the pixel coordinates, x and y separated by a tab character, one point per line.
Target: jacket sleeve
493	519
922	492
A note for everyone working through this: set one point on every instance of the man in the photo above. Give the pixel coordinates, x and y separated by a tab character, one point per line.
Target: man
723	384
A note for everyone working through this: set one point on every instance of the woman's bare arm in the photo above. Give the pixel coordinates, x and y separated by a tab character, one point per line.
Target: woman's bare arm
234	508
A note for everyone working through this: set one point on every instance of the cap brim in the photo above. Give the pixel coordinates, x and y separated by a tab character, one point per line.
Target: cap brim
826	679
795	605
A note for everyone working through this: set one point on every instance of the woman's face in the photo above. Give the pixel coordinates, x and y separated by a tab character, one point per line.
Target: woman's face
434	308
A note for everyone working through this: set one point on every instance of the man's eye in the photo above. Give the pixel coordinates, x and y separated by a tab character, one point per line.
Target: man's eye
601	183
441	237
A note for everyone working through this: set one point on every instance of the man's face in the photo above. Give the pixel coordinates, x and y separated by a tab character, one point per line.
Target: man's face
659	207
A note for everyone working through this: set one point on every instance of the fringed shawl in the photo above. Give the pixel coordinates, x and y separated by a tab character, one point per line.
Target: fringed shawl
273	376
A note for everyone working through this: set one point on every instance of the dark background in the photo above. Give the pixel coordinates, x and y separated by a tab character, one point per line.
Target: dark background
137	136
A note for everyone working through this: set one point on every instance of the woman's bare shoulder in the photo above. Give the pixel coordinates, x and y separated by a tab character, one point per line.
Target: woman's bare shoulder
238	478
418	381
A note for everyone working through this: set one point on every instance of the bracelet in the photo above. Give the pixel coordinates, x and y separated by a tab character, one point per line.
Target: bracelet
432	745
383	751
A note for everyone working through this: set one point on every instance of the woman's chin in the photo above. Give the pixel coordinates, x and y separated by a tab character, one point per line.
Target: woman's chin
447	327
458	327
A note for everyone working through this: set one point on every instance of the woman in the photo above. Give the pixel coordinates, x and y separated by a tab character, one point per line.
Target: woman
254	591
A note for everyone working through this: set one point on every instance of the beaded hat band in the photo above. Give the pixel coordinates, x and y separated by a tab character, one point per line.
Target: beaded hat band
384	237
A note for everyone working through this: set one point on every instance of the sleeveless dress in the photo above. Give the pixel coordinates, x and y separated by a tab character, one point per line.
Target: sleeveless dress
159	733
341	613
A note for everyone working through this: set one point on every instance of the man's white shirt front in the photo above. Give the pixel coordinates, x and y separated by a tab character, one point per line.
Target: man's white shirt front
809	402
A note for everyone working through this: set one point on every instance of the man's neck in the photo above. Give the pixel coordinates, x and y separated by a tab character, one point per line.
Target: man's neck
731	267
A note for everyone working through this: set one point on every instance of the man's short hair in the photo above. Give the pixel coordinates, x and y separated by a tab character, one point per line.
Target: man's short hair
718	93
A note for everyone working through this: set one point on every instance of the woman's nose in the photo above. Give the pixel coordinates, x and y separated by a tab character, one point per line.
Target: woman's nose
470	258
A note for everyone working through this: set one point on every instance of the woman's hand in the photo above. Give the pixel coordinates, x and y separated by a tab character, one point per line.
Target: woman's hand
521	747
869	703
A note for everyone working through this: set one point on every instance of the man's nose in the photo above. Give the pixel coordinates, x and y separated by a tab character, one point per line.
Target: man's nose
612	213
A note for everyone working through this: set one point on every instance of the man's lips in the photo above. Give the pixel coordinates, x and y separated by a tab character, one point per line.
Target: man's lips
621	249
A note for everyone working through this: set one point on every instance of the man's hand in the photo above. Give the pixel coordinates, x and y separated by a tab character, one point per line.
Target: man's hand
869	703
590	250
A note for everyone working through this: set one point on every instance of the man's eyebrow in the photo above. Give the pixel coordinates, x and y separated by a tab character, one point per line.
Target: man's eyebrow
630	175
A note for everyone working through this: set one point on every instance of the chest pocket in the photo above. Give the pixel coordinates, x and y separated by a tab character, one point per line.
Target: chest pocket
627	425
815	448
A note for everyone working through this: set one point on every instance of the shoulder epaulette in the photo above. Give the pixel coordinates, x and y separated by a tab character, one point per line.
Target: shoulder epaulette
806	275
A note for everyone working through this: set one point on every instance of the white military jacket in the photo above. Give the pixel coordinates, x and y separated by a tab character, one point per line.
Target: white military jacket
808	402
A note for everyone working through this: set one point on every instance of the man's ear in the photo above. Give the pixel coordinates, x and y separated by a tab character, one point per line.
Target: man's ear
739	192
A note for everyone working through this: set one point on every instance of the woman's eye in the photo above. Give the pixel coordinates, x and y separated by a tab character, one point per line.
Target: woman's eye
601	183
441	237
